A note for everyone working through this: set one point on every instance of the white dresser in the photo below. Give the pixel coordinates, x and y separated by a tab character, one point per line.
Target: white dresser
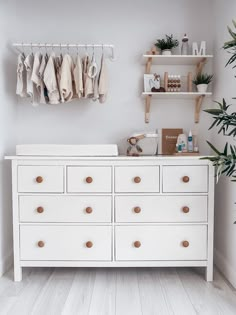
112	212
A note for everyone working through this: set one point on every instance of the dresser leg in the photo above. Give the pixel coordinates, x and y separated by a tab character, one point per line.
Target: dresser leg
209	273
17	273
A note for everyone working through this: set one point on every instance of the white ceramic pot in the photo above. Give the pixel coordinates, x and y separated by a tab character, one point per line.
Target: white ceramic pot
166	52
202	88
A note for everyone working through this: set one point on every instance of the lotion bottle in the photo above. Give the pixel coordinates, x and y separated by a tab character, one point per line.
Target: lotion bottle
190	142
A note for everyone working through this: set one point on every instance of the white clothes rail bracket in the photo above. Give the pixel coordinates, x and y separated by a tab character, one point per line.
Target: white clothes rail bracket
68	46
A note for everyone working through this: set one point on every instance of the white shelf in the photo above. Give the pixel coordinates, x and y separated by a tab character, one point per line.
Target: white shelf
175	59
176	95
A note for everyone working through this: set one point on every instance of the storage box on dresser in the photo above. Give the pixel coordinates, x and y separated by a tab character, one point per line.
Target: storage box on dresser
112	212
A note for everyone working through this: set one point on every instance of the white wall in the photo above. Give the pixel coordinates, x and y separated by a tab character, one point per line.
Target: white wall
132	26
7	139
225	83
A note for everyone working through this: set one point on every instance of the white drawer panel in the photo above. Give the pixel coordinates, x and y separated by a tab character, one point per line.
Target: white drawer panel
161	242
185	178
65	208
40	179
137	179
89	179
161	208
65	242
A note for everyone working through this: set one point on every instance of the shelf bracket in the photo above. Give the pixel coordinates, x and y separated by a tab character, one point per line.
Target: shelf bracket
147	108
198	106
200	66
148	65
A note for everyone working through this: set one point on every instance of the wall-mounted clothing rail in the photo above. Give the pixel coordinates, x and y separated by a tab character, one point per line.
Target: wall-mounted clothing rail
68	46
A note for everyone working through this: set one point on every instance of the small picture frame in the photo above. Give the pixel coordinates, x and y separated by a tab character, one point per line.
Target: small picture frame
151	81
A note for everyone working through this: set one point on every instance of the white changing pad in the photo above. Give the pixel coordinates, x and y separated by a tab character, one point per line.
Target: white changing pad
67	150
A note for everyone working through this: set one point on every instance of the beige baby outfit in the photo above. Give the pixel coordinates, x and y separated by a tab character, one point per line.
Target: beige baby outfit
66	82
50	81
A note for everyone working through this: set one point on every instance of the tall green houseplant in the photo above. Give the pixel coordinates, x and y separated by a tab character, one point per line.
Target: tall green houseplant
225	161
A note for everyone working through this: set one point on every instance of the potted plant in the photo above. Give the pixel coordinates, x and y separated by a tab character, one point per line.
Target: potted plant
166	44
201	81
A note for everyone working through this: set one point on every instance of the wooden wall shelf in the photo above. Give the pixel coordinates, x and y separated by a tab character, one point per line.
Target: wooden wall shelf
179	60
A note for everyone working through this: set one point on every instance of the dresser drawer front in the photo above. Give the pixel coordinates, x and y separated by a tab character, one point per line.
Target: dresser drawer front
65	208
185	179
65	242
137	179
88	179
48	179
161	242
160	209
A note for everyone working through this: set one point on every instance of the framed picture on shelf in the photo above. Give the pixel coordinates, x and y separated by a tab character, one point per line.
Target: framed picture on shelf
151	81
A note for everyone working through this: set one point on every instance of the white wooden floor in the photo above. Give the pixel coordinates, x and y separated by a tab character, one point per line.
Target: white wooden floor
128	291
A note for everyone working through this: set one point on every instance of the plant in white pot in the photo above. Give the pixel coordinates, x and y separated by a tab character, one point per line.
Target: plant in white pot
201	81
166	44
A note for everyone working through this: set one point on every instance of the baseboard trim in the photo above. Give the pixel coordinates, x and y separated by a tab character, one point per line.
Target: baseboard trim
223	265
6	263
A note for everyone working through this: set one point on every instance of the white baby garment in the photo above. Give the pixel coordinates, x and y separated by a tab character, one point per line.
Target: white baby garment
29	61
36	78
21	76
78	77
103	82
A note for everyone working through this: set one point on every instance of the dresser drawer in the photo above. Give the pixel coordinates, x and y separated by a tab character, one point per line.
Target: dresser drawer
137	179
161	242
185	179
48	179
65	208
65	242
160	209
89	179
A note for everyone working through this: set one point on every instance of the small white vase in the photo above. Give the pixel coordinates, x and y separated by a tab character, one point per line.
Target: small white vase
166	52
202	88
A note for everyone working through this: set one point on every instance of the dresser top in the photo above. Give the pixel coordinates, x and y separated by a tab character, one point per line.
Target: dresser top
104	158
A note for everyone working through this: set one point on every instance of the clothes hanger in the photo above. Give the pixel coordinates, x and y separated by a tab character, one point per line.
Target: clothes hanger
93	69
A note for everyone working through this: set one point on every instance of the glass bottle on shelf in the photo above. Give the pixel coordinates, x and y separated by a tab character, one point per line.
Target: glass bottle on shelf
185	45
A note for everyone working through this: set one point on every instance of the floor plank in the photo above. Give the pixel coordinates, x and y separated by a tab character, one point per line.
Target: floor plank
54	294
79	297
104	297
30	293
153	299
176	295
127	292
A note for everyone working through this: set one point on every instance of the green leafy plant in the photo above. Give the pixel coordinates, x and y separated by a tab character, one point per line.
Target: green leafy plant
225	161
167	43
230	46
202	78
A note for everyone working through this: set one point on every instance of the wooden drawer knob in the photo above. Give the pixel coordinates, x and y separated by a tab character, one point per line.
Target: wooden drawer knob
39	179
89	244
186	179
137	179
40	209
89	180
41	244
89	210
137	209
137	244
185	244
185	209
